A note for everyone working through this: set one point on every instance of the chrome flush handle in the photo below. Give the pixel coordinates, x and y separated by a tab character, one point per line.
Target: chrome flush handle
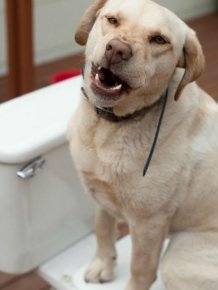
31	168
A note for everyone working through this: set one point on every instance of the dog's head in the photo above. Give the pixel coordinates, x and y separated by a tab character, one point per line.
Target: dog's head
133	49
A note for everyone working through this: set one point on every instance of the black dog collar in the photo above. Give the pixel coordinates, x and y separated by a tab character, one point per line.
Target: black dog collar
108	114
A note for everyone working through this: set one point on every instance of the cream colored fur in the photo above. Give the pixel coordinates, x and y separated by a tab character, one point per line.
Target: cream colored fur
179	194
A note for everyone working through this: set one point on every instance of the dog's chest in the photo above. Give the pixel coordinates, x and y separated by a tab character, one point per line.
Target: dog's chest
120	149
117	184
107	162
107	193
109	149
111	161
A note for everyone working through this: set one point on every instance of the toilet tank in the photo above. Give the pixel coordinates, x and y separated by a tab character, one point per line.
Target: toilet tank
43	207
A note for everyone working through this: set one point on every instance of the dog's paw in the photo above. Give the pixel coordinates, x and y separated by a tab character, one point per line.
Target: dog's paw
100	271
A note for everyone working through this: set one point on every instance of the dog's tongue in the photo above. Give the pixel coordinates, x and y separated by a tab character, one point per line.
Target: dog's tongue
101	76
106	76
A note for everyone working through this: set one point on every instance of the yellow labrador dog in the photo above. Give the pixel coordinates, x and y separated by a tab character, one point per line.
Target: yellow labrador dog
137	53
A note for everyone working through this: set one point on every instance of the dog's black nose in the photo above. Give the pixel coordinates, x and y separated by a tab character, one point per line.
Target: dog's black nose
117	51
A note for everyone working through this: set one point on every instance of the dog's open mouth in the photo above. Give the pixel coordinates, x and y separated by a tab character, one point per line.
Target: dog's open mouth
106	83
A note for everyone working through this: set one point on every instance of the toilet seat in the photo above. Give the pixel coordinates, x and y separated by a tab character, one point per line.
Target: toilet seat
66	271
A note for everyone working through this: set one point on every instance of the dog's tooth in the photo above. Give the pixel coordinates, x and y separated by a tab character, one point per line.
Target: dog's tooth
118	87
97	78
99	68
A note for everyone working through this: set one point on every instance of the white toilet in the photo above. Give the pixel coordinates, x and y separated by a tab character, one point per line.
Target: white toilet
46	219
43	208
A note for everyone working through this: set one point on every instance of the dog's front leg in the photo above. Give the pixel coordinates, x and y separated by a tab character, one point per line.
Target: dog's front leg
101	268
147	240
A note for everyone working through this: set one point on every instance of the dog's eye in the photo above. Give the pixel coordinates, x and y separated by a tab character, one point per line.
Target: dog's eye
112	20
158	39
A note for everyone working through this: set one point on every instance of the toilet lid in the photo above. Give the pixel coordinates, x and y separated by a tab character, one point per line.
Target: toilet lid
37	122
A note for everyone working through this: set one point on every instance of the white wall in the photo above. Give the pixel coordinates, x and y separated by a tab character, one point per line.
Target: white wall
55	22
187	9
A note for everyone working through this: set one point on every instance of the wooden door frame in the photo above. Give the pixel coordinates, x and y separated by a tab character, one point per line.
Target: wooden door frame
20	47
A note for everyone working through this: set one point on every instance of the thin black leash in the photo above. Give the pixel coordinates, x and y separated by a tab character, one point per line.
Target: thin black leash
156	134
154	143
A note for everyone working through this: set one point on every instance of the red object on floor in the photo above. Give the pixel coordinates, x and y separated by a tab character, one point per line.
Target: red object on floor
64	75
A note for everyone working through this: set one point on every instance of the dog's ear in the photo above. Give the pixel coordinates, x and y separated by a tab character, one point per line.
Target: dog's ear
192	61
88	19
